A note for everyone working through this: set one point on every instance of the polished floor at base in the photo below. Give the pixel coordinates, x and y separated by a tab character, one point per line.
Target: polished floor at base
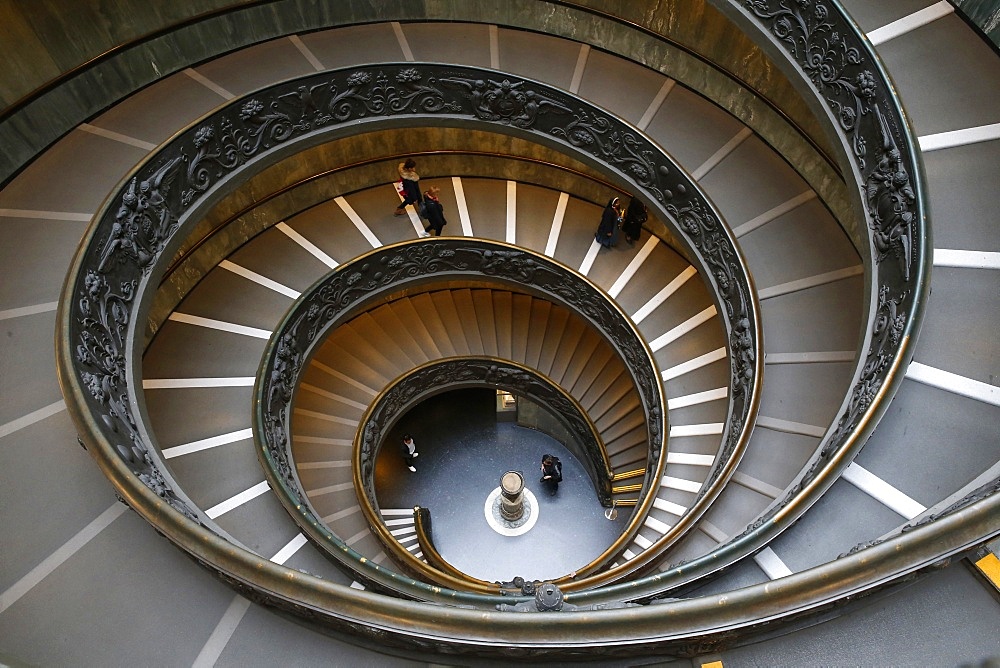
463	452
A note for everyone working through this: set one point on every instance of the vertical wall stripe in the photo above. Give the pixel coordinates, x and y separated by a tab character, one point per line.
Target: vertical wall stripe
404	46
557	221
581	65
463	206
494	47
511	211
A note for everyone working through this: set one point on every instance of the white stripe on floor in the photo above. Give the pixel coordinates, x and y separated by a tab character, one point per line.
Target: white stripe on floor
46	215
209	84
909	23
683	328
680	483
330	489
340	514
289	550
670	507
358	223
655	105
306	53
698	398
789	427
810	282
689	459
694	364
220	325
966	259
326	417
557	221
307	245
259	280
756	485
706	429
588	259
712	531
116	136
954	383
882	491
721	154
28	310
403	44
581	65
634	265
344	377
222	634
774	213
772	566
656	525
315	466
962	137
664	294
235	502
32	417
207	443
190	383
330	395
60	556
323	440
823	357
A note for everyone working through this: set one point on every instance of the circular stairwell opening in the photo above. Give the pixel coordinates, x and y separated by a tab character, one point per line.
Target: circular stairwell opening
463	450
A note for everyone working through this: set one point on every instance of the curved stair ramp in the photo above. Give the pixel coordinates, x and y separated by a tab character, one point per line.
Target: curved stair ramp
945	394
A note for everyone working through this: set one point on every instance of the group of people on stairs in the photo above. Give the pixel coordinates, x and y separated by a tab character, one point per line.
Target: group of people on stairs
428	206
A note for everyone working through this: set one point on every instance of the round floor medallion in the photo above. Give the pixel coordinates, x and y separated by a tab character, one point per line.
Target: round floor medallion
505	527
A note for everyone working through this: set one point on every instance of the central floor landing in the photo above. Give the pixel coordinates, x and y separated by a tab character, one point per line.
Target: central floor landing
463	452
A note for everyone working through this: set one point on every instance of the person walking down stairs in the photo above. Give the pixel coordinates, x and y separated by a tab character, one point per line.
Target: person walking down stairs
409	179
434	212
607	231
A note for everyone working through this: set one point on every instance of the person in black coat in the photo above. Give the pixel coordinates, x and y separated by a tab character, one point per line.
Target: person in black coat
434	212
607	231
551	473
635	216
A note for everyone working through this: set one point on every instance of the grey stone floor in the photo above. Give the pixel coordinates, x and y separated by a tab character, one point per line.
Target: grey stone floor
463	452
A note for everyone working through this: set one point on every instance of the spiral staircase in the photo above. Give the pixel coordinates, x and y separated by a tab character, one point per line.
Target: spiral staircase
759	546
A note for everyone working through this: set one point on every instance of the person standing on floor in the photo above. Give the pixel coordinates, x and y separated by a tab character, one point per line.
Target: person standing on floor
635	216
551	473
411	186
607	231
434	212
409	452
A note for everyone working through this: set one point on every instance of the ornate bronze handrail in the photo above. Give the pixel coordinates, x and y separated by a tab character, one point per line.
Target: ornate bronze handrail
417	385
125	251
346	290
